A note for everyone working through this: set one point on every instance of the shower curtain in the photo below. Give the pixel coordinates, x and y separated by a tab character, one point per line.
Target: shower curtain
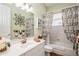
70	22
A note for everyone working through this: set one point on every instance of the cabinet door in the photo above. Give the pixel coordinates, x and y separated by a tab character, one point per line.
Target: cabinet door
4	21
37	51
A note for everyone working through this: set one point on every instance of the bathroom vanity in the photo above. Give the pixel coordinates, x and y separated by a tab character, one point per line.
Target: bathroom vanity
30	48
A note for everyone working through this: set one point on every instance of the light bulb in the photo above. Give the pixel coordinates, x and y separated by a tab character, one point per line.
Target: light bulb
19	5
30	9
25	6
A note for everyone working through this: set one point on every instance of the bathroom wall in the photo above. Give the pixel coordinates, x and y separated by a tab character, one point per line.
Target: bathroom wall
59	7
18	11
38	10
13	11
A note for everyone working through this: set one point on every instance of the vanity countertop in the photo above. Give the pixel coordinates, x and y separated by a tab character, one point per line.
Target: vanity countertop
18	48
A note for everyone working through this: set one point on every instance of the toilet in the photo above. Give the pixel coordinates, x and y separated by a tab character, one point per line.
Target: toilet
48	49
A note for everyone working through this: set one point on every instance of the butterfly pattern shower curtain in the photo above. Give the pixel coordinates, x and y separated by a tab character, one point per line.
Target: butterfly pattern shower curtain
70	22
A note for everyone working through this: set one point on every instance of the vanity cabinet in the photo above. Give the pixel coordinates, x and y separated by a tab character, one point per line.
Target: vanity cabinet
36	51
31	48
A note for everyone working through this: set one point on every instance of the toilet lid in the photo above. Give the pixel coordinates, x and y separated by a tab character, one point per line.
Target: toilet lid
48	47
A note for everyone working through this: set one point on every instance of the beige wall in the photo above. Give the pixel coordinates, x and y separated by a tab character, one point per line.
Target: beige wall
60	6
13	11
38	10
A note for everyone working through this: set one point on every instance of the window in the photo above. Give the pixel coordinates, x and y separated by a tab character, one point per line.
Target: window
57	19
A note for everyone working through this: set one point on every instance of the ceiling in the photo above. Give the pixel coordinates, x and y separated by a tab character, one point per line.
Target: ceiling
57	4
48	5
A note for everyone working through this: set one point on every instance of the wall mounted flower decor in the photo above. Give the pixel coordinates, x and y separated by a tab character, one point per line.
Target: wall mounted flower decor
19	19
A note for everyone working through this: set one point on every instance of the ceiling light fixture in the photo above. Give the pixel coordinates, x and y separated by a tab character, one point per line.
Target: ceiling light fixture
25	6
